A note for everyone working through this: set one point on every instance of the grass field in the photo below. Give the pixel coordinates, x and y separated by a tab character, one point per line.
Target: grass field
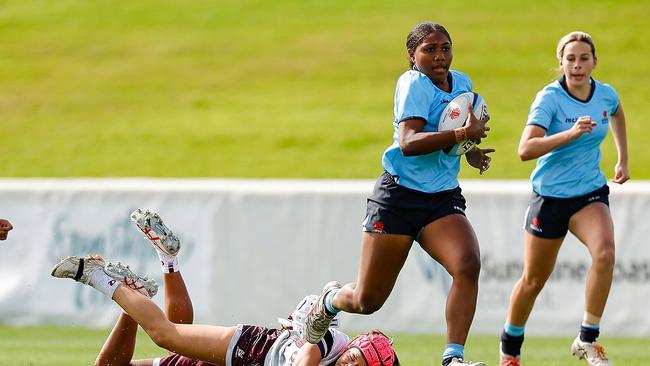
288	88
75	347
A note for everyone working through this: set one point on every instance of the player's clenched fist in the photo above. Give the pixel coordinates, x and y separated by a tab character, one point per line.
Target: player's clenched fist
5	226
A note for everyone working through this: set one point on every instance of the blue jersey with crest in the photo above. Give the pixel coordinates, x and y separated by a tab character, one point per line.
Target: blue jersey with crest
417	97
573	169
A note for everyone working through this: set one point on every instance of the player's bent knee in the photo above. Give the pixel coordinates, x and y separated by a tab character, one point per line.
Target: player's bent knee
604	259
469	267
369	303
161	335
532	284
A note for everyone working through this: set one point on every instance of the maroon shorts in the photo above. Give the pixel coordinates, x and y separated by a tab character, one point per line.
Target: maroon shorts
250	344
248	347
178	360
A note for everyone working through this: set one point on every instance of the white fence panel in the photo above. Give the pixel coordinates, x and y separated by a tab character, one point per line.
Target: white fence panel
252	248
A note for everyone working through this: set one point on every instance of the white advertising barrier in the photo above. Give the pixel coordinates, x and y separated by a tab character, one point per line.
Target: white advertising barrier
253	248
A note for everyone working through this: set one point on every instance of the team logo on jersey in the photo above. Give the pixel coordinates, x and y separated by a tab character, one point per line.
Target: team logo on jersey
604	120
455	113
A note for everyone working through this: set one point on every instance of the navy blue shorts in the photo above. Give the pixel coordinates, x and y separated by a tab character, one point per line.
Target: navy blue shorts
394	209
548	217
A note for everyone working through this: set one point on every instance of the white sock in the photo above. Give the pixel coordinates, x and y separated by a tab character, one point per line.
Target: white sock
168	263
102	282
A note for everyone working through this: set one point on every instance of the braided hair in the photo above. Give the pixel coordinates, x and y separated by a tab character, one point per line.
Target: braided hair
419	33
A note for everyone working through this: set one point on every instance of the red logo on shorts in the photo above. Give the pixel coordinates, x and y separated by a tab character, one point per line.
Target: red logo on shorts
379	226
455	113
535	221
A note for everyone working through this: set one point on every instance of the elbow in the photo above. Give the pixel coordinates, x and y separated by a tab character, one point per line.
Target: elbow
406	148
524	154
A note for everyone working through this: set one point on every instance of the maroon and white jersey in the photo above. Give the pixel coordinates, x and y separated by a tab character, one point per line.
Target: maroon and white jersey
285	349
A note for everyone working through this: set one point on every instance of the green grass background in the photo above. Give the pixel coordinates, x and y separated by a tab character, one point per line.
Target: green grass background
287	88
78	346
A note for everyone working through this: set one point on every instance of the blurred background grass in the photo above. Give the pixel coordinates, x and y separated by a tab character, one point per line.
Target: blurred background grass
283	88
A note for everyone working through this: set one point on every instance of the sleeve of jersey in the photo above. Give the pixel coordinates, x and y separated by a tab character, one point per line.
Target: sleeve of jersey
613	99
413	97
541	110
332	345
466	80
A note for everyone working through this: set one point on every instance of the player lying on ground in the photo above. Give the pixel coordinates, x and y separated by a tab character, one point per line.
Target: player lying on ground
202	345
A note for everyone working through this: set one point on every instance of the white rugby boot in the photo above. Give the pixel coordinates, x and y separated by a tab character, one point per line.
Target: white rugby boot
154	229
593	353
459	362
84	270
318	319
78	269
123	273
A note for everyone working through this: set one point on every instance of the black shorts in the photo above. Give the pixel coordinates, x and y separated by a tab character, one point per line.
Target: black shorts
394	209
548	217
250	344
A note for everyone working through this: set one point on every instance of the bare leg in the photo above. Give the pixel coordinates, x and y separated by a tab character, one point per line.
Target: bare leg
539	259
451	241
118	348
593	227
178	305
382	258
201	342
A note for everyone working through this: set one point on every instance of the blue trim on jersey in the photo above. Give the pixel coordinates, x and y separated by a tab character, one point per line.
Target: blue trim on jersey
416	96
573	169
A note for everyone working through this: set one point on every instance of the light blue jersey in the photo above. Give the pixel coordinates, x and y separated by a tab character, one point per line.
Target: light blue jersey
573	169
417	97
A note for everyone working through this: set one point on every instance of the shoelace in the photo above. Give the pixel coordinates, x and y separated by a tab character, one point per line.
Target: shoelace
600	352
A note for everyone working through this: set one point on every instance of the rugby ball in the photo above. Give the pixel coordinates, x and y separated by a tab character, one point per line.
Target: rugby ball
455	115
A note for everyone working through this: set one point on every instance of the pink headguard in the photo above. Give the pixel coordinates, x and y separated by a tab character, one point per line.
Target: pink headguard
376	349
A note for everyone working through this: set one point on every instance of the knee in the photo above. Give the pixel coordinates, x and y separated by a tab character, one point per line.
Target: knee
532	284
604	259
368	303
468	267
161	335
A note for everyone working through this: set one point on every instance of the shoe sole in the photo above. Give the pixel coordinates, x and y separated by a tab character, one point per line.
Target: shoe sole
132	280
155	230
